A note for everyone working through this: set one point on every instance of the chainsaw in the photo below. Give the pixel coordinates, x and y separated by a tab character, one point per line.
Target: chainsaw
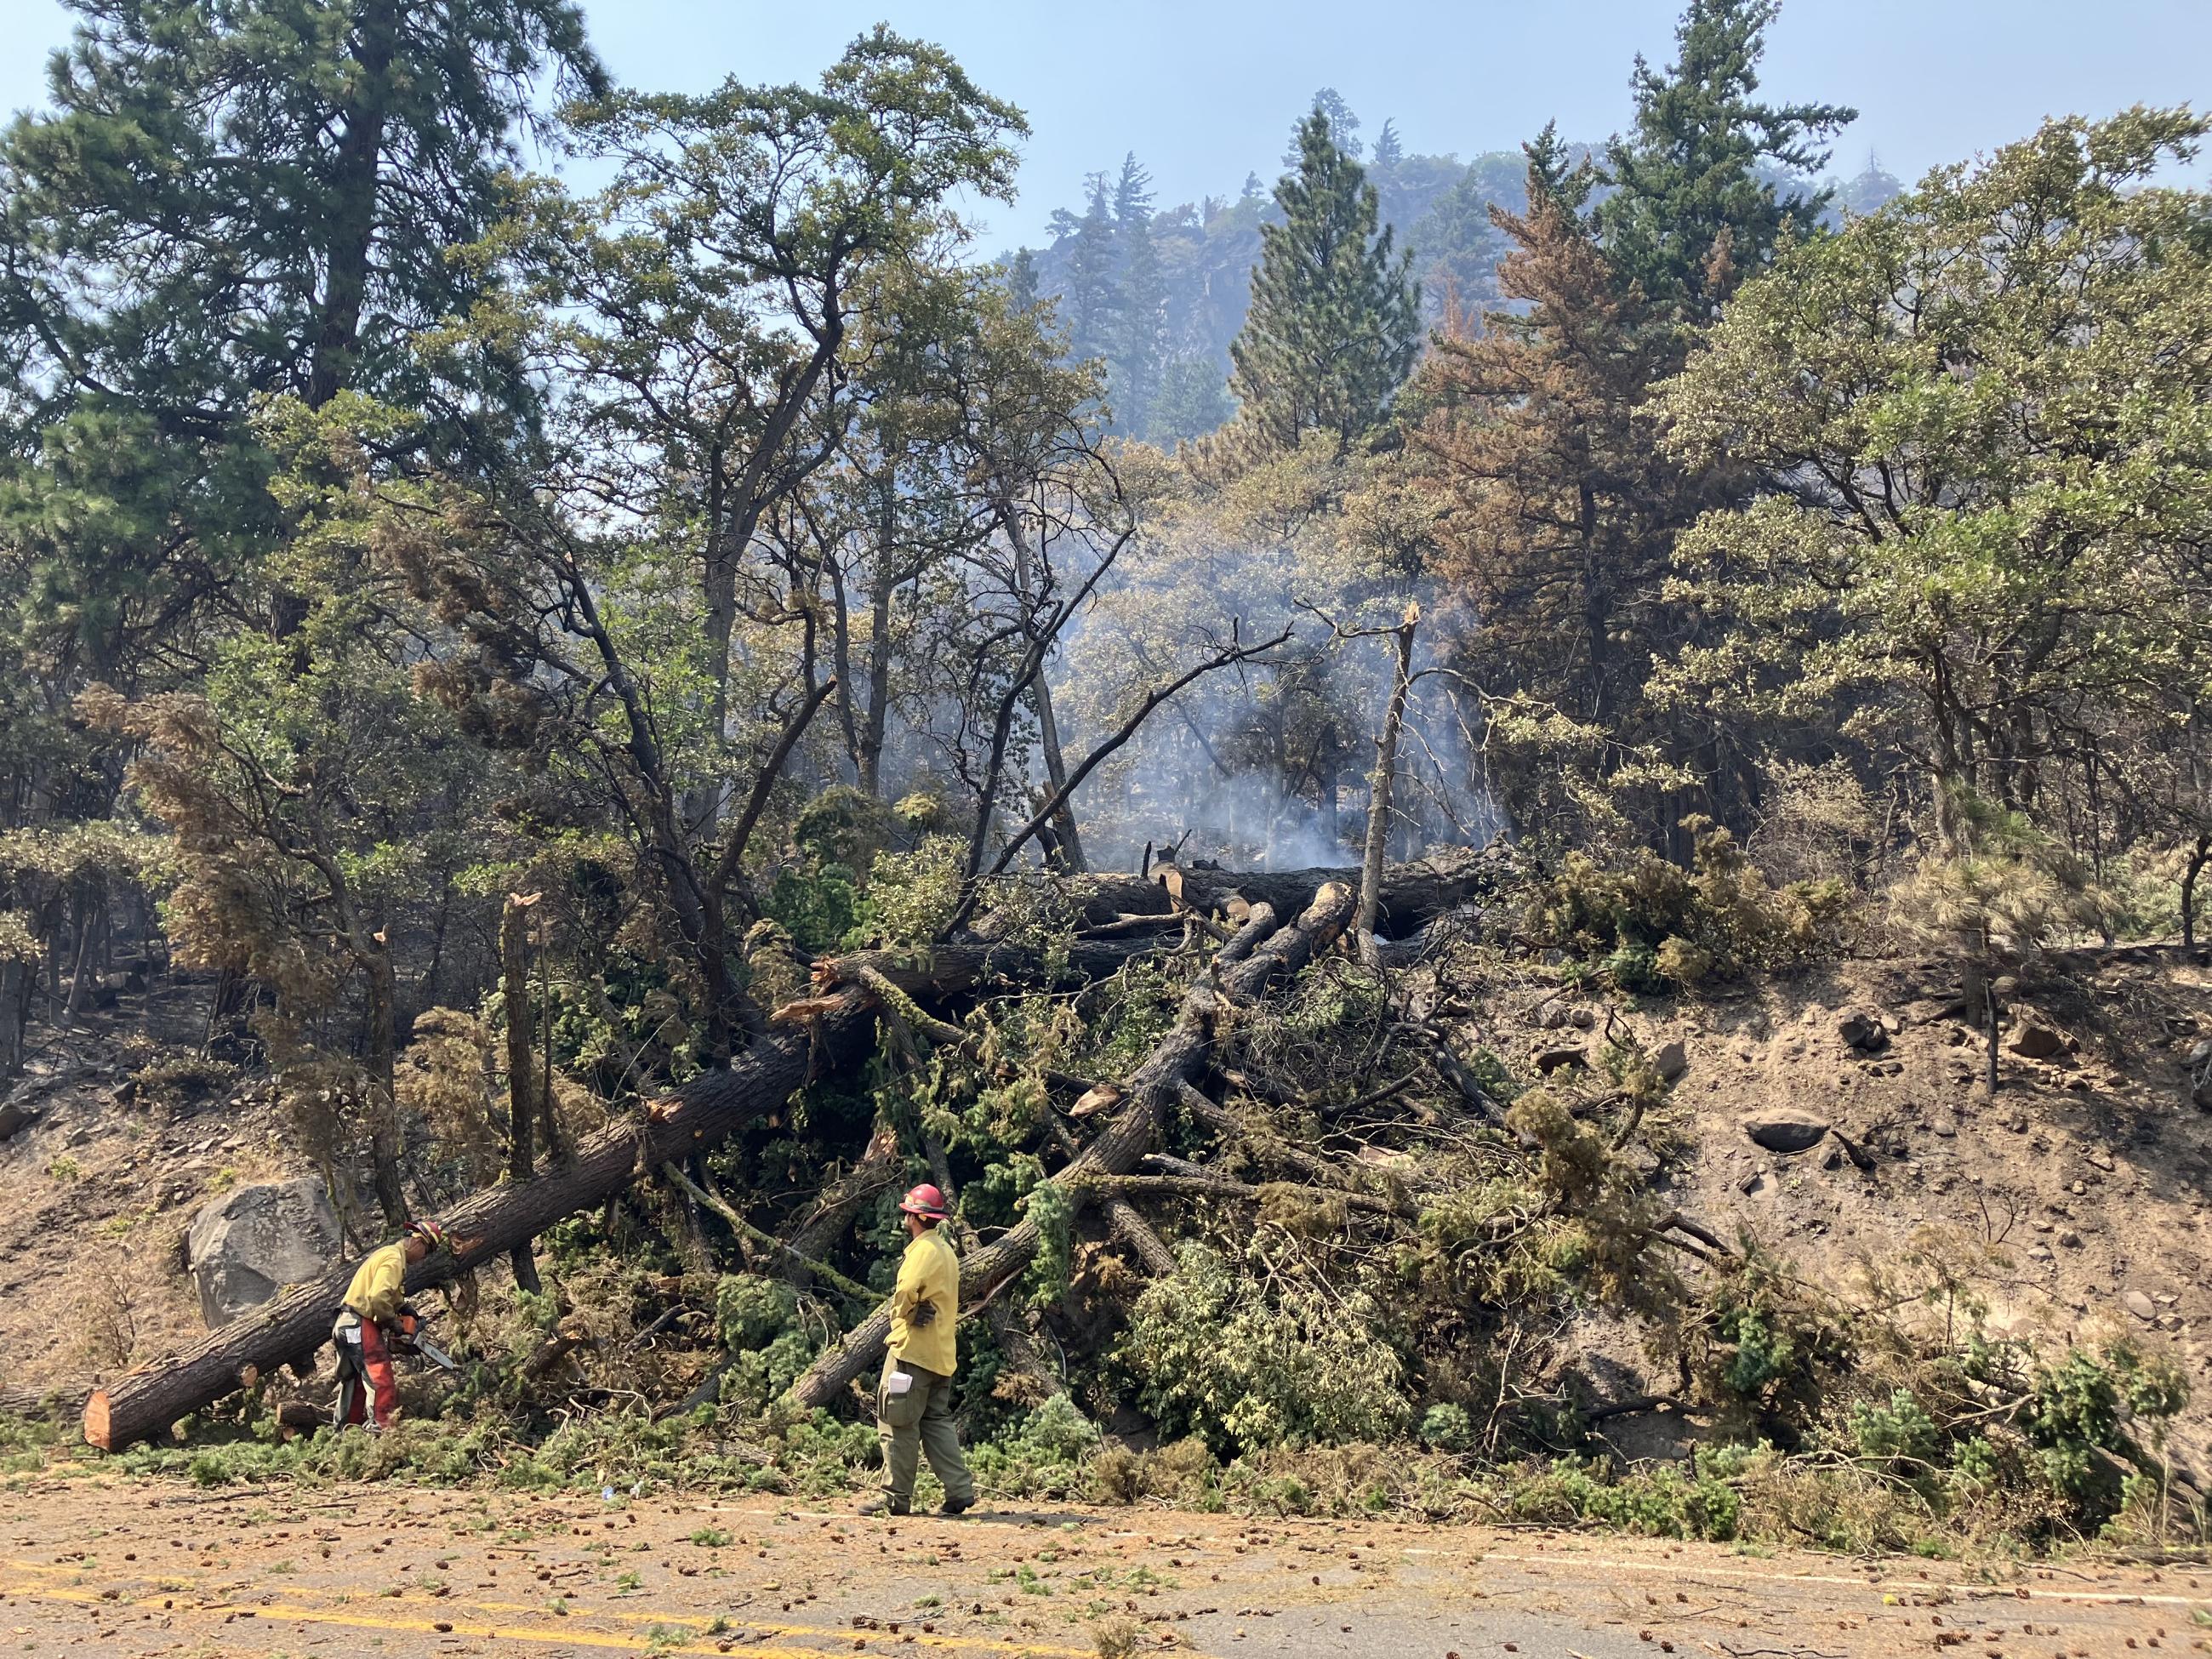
407	1337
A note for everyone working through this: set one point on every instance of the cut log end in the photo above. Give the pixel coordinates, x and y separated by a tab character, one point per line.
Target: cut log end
96	1432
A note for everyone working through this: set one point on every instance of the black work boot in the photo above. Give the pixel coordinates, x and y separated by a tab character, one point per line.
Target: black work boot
954	1506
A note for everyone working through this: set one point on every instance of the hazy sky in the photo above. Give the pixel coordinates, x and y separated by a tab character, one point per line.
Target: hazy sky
1205	90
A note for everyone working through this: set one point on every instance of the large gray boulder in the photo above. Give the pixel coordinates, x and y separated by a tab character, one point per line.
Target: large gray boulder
248	1244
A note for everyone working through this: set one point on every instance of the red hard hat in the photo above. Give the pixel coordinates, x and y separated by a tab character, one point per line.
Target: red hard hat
925	1199
430	1232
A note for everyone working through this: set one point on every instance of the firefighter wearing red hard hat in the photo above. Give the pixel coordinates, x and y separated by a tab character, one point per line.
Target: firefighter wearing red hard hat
376	1306
914	1396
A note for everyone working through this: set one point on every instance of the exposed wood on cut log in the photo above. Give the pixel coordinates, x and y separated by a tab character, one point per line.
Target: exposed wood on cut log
1408	896
1242	970
493	1222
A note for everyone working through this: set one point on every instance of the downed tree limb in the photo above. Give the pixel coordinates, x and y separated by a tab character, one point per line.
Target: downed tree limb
1125	1224
801	1266
1241	970
1024	1364
1222	1120
569	1335
1214	1186
1122	1221
833	1213
836	1028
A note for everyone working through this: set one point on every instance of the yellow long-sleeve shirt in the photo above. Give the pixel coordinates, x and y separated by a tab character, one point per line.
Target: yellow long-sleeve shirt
379	1286
929	1271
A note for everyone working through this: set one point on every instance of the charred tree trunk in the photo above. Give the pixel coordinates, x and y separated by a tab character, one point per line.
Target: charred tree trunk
1055	765
15	1014
383	1104
876	720
1378	805
2197	860
521	1074
1245	965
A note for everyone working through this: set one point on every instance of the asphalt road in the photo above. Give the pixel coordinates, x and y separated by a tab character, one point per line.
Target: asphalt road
141	1569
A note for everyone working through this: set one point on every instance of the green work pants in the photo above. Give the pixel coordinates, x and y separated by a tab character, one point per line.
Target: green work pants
919	1421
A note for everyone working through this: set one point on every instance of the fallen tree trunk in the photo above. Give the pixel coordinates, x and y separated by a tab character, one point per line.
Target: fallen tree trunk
833	1213
1411	894
836	1029
53	1405
1408	898
1242	970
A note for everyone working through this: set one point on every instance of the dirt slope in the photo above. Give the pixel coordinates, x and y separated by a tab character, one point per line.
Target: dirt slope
2074	1200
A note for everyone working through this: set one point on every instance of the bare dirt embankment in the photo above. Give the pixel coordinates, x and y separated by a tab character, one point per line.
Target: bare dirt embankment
143	1569
2072	1204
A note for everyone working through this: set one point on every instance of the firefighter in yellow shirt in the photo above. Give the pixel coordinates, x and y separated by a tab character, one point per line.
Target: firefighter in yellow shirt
913	1397
375	1304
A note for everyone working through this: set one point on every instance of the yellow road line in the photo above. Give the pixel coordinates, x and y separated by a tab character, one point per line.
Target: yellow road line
669	1620
426	1627
1682	1570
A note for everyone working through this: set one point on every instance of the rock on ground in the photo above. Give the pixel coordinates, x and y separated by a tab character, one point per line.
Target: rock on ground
248	1244
1784	1130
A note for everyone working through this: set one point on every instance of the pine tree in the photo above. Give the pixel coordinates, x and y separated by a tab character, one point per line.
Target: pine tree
1335	320
229	201
1092	271
1343	126
1022	278
1390	150
1691	215
1193	400
1132	192
1139	324
1559	513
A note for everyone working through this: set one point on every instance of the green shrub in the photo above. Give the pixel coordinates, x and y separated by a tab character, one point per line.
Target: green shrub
1447	1427
1217	1352
1655	926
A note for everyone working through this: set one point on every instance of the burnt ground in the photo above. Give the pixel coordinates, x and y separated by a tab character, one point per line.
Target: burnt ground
142	1568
